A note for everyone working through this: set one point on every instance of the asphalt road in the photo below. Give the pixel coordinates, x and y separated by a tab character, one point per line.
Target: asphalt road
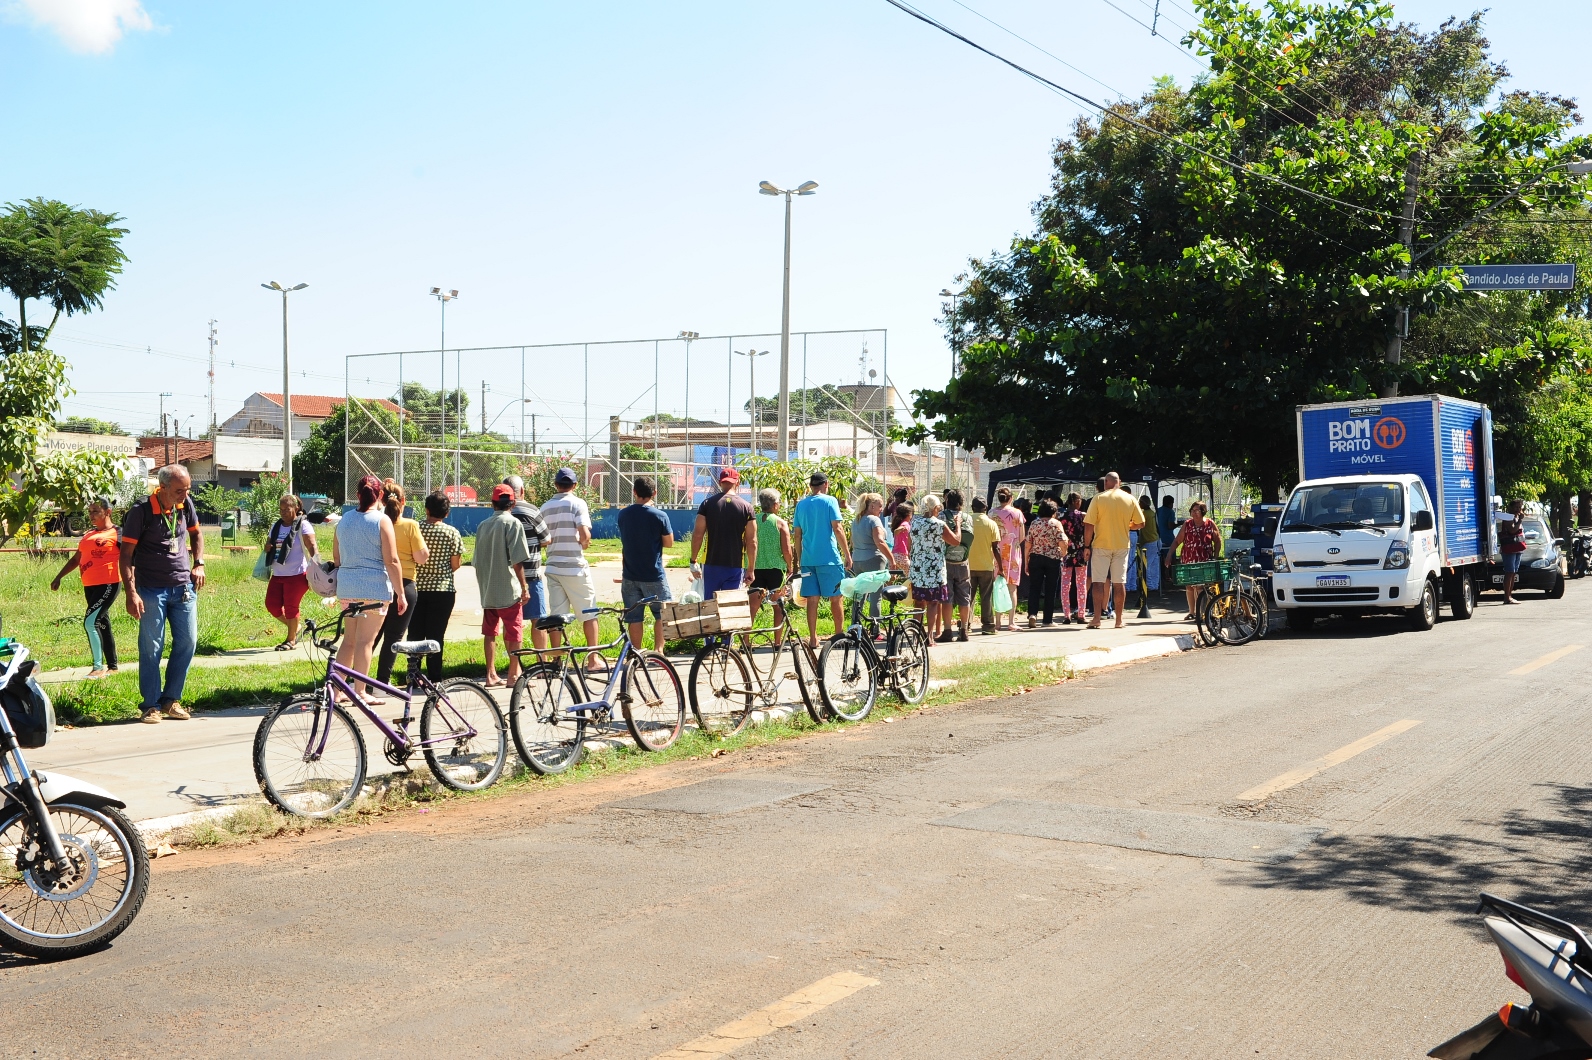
1064	873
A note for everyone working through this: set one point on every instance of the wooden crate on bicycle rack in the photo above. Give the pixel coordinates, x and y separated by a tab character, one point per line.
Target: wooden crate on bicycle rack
735	610
683	621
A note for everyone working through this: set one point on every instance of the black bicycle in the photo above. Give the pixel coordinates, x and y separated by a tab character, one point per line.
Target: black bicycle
851	668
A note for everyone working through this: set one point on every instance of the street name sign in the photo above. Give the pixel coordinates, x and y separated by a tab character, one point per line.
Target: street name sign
1519	277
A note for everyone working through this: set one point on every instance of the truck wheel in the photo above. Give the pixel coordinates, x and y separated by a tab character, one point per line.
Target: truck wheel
1299	620
1557	591
1461	593
1423	615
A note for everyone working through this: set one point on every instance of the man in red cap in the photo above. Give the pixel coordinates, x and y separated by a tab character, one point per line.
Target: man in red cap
726	519
500	558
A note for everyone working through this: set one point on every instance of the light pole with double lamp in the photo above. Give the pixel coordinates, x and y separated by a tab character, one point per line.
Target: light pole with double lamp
956	338
751	362
765	188
287	388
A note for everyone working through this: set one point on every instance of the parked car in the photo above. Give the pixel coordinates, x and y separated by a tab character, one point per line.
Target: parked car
1543	565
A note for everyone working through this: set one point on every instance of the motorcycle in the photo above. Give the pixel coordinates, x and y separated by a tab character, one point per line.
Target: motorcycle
73	869
1581	554
1551	960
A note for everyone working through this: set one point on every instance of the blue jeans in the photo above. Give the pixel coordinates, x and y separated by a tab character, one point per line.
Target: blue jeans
178	606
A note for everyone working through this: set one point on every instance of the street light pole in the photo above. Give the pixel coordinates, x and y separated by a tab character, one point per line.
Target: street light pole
688	337
751	361
765	188
287	388
956	336
443	298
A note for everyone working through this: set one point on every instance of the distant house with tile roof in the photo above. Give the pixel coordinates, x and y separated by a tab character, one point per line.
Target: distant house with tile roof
261	415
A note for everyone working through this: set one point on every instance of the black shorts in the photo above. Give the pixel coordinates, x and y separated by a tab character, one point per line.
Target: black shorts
767	578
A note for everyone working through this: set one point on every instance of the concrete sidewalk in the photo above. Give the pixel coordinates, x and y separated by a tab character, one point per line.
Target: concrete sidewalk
173	769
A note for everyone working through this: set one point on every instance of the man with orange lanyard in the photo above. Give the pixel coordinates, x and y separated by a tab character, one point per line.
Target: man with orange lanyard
162	567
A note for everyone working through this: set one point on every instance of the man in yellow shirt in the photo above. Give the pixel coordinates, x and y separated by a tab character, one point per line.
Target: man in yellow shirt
1112	514
984	562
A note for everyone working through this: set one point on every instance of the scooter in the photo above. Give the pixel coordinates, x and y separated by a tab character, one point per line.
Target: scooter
1551	960
73	869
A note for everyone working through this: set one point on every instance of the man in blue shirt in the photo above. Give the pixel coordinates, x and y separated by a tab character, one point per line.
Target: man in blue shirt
644	532
820	541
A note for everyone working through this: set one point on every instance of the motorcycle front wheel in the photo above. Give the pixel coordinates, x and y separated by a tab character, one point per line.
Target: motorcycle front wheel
65	911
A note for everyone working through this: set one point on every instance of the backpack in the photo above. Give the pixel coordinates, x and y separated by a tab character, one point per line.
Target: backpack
28	708
959	553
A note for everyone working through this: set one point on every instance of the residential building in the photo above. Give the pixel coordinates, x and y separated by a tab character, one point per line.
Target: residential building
261	415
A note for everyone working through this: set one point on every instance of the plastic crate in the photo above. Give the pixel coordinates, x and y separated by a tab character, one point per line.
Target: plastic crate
1207	573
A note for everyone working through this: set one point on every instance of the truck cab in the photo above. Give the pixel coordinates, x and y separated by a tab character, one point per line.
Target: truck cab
1353	544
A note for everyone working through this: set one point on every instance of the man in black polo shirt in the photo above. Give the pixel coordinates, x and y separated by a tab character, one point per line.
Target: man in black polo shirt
162	567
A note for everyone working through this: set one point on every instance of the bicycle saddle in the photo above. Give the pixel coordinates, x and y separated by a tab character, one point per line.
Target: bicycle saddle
894	593
551	622
416	647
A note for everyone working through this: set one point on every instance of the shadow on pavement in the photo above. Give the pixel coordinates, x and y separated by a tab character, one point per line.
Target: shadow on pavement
1543	859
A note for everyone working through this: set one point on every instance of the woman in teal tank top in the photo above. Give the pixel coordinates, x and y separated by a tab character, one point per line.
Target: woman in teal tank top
773	550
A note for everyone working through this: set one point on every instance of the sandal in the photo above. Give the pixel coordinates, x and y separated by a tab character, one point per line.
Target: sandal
286	645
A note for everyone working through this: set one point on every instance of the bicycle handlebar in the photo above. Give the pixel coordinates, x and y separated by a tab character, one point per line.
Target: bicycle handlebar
621	609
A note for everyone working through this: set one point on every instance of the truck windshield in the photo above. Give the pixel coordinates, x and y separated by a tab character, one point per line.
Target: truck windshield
1345	505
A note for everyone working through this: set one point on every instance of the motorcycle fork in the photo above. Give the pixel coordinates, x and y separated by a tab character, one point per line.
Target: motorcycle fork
25	789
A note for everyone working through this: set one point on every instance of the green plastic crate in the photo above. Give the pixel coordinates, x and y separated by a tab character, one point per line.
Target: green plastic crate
1207	573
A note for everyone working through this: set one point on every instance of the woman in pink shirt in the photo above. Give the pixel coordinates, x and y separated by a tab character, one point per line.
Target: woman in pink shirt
1013	529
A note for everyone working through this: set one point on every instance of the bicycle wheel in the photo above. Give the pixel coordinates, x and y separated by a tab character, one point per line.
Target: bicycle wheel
909	646
846	678
51	911
805	667
1203	630
1236	616
654	702
721	690
292	776
463	736
549	738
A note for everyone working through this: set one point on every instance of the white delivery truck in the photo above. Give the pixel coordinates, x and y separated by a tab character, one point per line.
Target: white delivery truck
1394	513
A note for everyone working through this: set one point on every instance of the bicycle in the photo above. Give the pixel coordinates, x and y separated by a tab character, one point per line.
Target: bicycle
850	683
309	754
723	691
1237	614
552	706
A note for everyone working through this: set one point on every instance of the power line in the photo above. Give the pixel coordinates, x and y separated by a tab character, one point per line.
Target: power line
1107	113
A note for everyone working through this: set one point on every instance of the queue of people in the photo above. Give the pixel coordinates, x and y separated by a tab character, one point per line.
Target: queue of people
1073	557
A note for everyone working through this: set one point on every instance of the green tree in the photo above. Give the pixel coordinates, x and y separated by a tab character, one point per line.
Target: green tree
212	498
261	503
88	425
1209	258
64	255
425	409
790	478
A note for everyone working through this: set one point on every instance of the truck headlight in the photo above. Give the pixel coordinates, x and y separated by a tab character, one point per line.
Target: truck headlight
1279	561
1398	556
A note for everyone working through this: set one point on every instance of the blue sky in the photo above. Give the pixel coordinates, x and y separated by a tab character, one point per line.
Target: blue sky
578	171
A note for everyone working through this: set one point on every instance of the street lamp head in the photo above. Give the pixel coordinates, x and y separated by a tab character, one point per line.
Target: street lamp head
453	294
689	336
272	286
807	188
768	189
946	292
436	290
300	287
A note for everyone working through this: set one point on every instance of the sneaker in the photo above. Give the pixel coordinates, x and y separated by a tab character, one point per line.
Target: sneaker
150	717
961	637
176	712
943	638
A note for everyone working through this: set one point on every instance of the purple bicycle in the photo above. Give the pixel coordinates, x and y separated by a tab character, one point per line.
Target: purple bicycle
309	753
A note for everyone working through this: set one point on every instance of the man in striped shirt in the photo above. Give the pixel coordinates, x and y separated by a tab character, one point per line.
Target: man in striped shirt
569	585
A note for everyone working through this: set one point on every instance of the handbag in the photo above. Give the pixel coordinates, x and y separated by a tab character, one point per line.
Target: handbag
1511	537
1001	596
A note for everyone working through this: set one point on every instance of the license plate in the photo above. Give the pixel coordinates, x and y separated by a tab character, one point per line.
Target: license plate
1332	581
1498	579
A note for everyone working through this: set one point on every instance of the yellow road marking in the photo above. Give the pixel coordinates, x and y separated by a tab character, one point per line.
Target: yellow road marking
782	1013
1547	660
1325	762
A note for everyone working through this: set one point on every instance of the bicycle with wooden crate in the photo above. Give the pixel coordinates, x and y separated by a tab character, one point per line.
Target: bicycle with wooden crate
726	684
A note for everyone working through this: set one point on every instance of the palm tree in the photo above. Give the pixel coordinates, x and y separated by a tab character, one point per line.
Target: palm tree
60	254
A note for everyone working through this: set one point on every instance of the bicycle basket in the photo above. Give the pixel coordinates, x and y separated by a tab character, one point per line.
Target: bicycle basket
28	708
1206	573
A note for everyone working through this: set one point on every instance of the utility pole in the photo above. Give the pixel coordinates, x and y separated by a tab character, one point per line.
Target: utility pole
212	382
484	388
1401	315
806	188
165	440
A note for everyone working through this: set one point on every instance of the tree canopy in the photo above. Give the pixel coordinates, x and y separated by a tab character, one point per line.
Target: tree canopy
64	255
88	425
1208	258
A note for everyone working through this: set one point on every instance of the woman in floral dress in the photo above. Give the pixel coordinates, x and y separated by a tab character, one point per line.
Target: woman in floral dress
926	568
1075	568
1013	529
1199	540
